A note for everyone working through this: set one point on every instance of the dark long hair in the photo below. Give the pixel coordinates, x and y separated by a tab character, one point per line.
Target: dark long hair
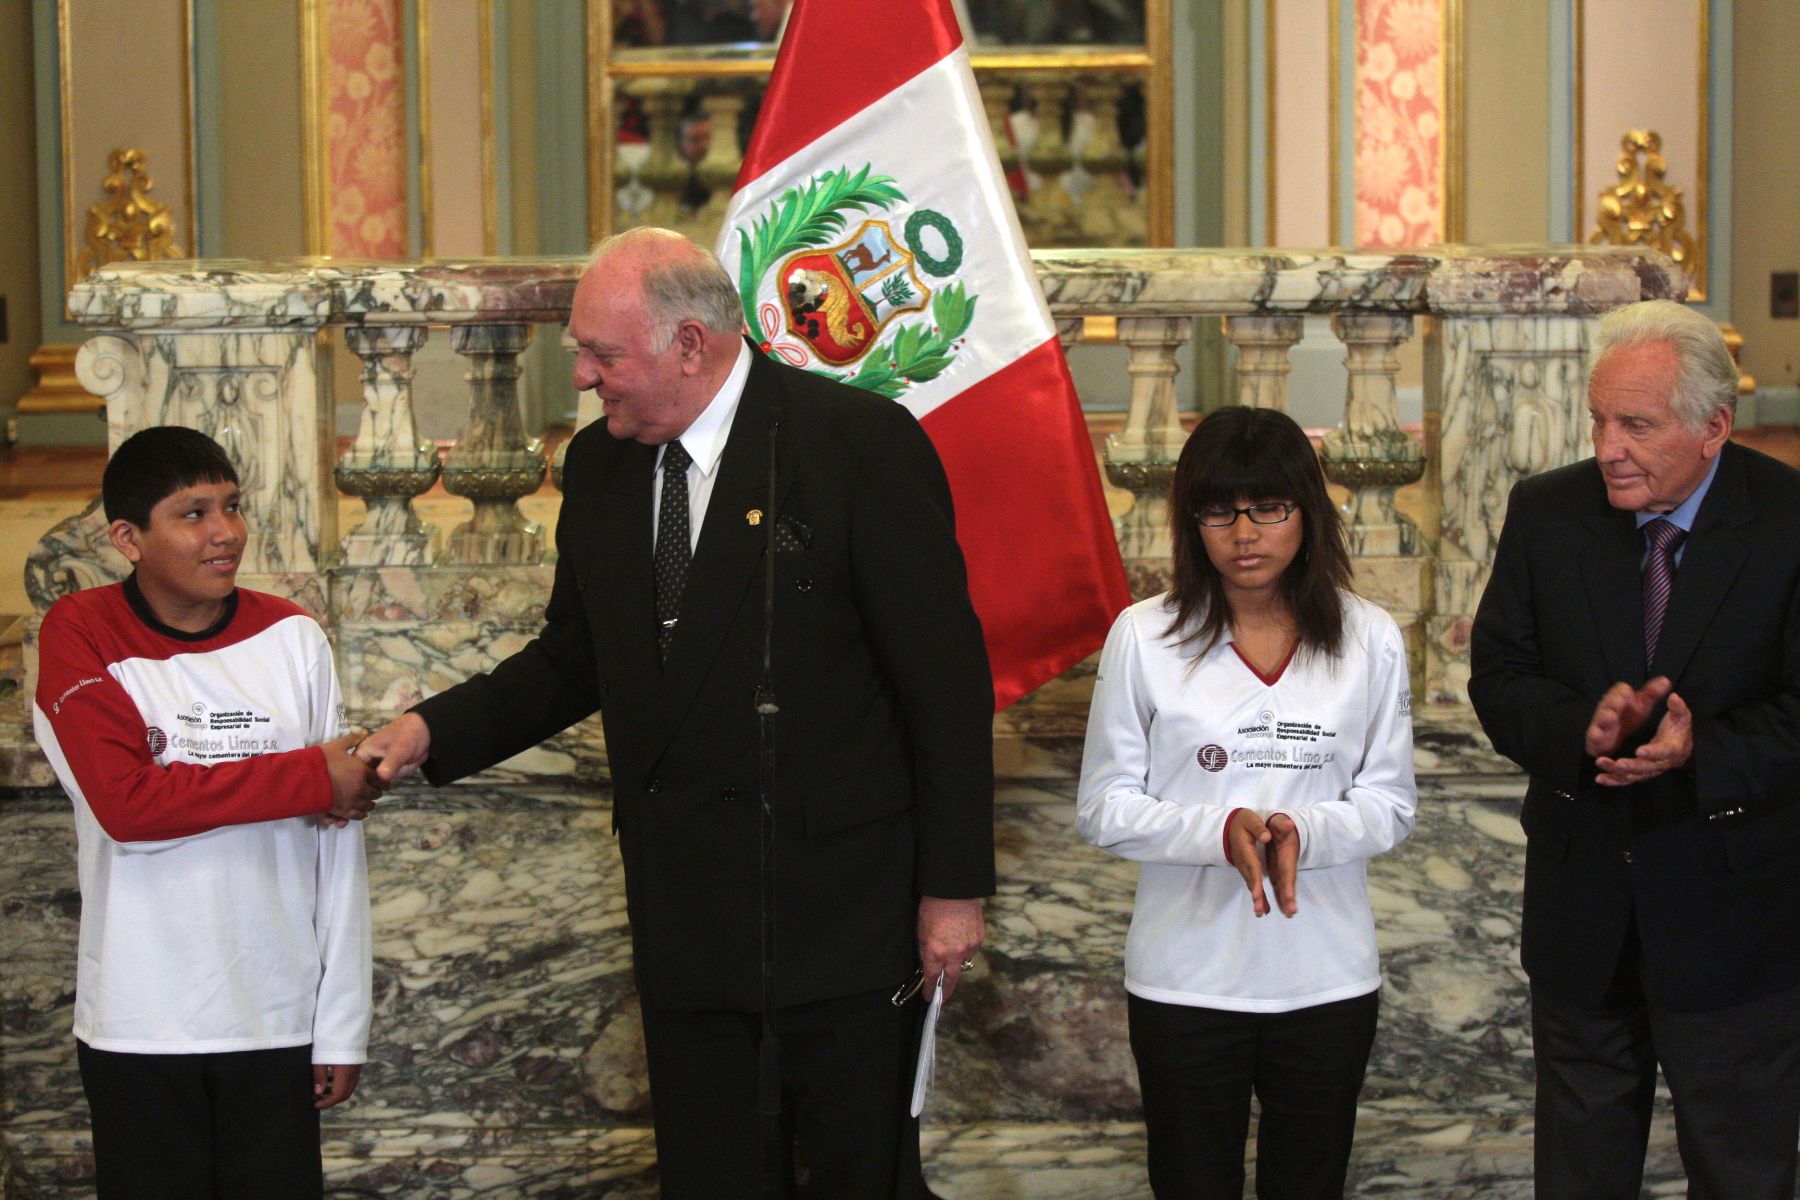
1258	454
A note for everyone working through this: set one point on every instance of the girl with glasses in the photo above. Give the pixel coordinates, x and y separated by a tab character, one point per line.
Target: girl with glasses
1250	745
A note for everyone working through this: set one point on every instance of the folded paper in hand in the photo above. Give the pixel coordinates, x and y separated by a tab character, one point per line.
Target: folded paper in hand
927	1066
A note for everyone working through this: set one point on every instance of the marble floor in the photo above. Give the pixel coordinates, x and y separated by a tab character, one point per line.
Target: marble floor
1038	1040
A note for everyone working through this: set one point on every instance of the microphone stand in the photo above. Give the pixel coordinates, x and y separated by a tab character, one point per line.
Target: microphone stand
768	1058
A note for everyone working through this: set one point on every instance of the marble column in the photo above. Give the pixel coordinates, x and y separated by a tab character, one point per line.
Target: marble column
494	464
1505	398
1263	343
388	464
1141	457
256	394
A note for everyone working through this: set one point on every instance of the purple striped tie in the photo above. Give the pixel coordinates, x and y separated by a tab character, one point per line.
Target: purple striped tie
1659	581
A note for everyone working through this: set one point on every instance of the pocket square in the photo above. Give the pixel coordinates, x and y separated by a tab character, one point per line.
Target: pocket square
792	535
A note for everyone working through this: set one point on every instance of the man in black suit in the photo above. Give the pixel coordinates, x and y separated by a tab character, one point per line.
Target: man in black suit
882	808
1637	651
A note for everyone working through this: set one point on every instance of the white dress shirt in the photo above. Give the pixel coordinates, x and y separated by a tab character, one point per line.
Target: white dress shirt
704	441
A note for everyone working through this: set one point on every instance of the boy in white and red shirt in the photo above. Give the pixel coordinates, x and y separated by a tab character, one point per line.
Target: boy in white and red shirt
223	983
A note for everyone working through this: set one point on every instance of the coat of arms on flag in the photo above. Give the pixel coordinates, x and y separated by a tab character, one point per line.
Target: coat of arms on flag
839	294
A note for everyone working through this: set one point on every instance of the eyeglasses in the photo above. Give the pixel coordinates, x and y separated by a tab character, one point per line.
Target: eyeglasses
1271	512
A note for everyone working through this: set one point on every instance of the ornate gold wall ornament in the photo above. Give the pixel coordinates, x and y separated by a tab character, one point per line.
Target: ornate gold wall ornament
1643	209
129	226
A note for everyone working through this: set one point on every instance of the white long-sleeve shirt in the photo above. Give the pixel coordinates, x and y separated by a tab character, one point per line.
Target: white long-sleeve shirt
218	911
1177	740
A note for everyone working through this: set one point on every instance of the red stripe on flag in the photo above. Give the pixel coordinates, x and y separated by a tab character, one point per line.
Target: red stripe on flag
1044	569
837	58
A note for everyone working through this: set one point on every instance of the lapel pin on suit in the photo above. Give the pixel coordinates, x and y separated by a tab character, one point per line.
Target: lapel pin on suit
753	517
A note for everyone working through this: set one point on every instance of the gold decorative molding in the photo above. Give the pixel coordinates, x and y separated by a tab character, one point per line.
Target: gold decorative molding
128	226
1643	209
58	390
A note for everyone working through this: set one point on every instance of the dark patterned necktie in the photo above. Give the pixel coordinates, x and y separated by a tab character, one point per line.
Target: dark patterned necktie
1659	580
672	547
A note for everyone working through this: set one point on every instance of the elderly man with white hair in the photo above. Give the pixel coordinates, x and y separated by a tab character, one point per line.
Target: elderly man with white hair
1637	652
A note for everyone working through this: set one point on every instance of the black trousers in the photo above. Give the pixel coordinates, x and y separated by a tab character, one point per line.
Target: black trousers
1197	1068
237	1126
846	1073
1734	1075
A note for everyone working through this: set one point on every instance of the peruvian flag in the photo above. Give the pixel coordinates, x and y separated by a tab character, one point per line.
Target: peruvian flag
873	239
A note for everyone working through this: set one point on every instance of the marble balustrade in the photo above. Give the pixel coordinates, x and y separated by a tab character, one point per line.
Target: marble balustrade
506	1059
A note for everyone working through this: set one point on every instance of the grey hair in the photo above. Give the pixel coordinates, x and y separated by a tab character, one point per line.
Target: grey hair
1706	379
682	281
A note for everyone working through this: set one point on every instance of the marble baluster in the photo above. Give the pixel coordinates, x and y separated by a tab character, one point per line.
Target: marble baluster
718	169
996	102
1141	457
494	464
1052	212
1263	343
1372	456
666	172
388	464
1101	216
1369	453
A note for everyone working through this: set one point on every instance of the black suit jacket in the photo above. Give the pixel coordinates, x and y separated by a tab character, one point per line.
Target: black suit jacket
1707	859
884	786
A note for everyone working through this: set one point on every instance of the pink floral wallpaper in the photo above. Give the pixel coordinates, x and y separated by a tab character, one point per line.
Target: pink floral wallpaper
1399	122
365	130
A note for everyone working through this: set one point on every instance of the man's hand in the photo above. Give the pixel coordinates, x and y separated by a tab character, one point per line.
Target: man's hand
1672	747
1282	855
354	787
1248	835
397	748
333	1084
1621	713
950	932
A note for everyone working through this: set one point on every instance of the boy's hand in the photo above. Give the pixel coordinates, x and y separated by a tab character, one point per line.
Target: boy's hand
397	748
354	786
334	1084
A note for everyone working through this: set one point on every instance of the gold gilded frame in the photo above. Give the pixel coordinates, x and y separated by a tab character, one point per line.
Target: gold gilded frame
1453	192
427	196
65	99
1701	229
1154	63
314	154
